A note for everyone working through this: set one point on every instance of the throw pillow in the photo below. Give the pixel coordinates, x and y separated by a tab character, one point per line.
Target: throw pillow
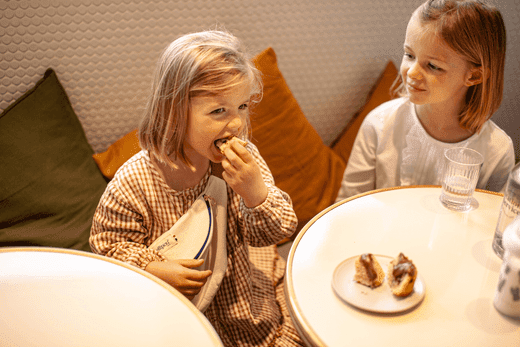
117	154
302	165
50	184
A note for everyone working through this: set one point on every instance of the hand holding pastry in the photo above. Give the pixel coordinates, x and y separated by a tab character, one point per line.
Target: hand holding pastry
241	171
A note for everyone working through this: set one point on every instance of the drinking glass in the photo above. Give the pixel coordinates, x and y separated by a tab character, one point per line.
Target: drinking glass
460	176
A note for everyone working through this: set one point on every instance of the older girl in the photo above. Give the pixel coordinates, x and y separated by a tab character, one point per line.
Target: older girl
451	83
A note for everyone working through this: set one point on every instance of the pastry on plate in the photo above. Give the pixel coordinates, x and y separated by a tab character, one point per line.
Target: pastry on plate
368	271
401	275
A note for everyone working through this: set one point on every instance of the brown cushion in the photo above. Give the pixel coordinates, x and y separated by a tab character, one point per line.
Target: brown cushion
302	165
379	94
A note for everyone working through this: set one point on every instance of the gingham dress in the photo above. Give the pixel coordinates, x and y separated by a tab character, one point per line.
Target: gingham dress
249	308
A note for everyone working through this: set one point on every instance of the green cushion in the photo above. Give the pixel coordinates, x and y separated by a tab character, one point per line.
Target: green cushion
50	185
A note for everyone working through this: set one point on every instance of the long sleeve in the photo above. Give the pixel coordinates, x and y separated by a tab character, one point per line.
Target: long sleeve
360	173
118	230
505	161
274	219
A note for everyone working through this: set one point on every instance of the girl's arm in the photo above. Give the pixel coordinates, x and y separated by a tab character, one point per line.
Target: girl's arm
360	173
498	179
118	230
272	218
270	222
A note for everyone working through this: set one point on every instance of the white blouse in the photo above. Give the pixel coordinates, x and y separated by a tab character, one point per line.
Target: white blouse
393	149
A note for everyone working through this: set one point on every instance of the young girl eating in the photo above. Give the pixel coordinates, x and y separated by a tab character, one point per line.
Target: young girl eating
450	83
159	200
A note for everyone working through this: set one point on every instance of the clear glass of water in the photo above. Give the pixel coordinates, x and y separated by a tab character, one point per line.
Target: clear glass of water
460	176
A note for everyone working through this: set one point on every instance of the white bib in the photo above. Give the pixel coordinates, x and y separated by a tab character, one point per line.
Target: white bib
201	234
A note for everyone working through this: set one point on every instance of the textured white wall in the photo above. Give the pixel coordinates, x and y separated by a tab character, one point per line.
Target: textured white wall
104	51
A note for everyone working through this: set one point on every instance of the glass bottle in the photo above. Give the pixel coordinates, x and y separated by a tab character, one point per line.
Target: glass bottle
509	210
507	294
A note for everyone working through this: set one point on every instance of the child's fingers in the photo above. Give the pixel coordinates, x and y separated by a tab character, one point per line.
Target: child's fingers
195	283
236	152
241	151
236	161
200	275
232	157
190	289
190	263
180	274
228	167
190	273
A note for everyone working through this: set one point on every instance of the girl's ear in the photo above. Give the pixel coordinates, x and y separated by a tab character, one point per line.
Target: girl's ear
475	76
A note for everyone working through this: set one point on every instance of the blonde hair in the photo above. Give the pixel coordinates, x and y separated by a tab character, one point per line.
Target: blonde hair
197	64
477	32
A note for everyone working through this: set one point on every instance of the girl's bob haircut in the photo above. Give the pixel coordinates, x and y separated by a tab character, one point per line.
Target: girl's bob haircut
197	64
475	31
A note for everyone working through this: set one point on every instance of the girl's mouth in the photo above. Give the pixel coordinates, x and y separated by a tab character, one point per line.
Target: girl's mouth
414	88
219	143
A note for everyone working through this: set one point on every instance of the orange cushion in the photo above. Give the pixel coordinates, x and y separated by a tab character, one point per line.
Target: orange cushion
117	154
379	94
302	165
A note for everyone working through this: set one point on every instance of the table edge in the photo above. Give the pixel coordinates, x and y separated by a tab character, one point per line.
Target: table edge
200	316
310	336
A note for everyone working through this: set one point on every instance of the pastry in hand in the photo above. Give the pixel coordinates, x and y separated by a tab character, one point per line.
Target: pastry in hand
369	271
222	144
401	275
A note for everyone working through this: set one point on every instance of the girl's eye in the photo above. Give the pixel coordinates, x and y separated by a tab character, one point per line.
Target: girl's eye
217	111
433	67
408	55
243	107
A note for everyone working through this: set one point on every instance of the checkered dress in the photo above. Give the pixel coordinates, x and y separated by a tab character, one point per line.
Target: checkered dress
249	308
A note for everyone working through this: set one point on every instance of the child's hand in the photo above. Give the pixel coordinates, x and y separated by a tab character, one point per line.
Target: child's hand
180	275
243	174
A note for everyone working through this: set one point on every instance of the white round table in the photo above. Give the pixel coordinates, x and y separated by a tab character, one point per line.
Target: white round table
59	297
451	250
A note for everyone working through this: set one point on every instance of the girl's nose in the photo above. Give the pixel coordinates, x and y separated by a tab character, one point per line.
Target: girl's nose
414	72
236	122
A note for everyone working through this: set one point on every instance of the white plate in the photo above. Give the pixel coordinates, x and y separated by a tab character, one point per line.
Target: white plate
378	299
